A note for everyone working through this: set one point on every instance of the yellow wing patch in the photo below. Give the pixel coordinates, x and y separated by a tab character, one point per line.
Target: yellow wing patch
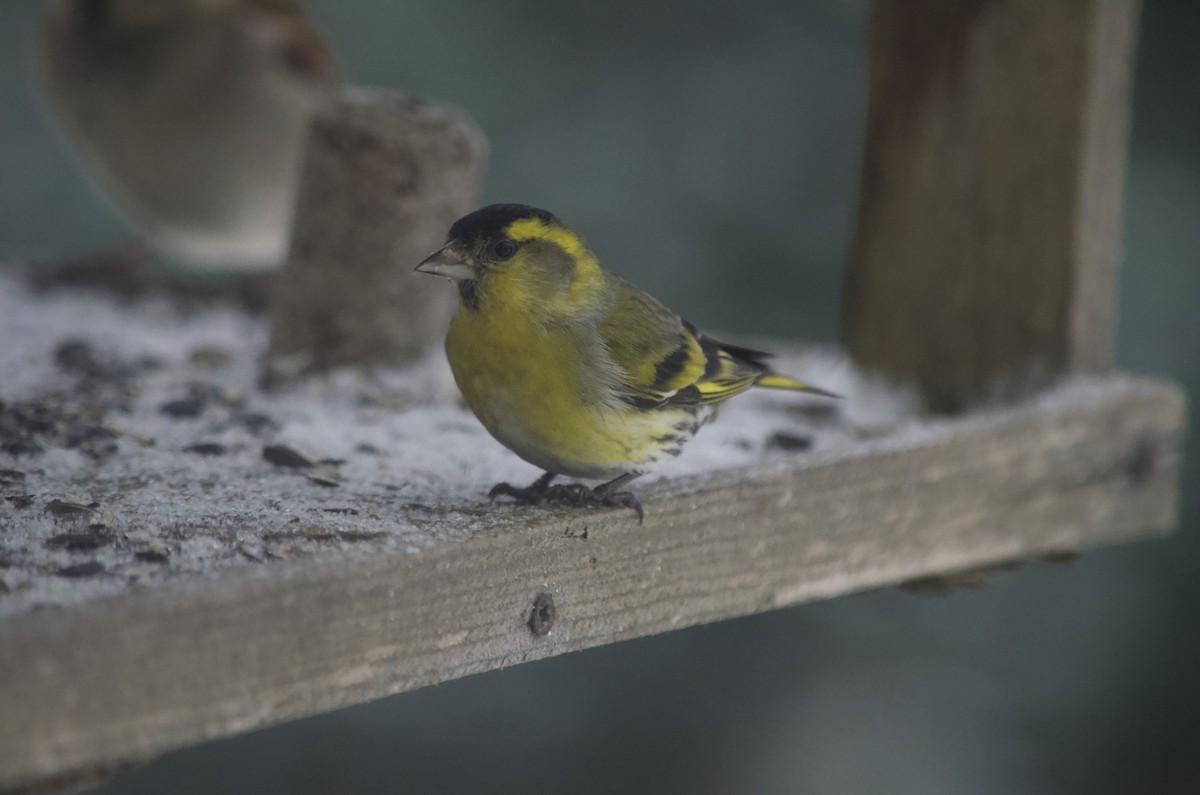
666	361
728	370
724	374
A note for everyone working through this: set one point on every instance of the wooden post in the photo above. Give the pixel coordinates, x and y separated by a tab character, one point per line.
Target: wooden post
384	177
988	233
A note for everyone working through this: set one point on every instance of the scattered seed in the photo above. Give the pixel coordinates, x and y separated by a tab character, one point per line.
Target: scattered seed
205	448
211	356
76	542
94	441
64	508
788	442
283	456
89	569
184	408
77	356
360	535
241	548
257	423
322	480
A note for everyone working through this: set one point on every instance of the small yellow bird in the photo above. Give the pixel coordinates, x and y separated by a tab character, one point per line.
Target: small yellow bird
572	368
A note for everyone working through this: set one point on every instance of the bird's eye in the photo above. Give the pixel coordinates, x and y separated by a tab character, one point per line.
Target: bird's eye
504	248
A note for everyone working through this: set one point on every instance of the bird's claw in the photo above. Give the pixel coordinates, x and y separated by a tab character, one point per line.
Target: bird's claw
525	496
579	494
504	490
626	499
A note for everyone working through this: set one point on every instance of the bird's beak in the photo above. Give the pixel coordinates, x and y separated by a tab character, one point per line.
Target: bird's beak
449	262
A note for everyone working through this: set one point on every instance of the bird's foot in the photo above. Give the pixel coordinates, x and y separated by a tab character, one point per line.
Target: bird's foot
541	490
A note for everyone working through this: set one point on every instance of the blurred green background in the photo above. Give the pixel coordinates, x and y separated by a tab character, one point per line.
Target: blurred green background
709	152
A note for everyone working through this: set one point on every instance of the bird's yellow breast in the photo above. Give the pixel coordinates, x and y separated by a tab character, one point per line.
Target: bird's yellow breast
534	387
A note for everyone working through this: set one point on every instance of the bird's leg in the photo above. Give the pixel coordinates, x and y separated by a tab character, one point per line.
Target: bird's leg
530	495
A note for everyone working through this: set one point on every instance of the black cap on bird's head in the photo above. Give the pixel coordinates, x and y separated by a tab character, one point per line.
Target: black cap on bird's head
487	222
478	238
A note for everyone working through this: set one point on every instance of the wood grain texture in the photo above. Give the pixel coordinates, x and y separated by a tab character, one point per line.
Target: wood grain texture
989	220
384	177
125	678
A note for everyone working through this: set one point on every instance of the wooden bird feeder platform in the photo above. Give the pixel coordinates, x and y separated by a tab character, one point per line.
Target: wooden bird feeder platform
174	567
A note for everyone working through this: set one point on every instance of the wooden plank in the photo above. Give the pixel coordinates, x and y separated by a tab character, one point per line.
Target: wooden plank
989	221
127	677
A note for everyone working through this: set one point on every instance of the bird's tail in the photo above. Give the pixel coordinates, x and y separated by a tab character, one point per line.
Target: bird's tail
779	381
761	372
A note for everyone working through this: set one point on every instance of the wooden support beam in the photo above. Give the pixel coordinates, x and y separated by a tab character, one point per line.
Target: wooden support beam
123	678
988	231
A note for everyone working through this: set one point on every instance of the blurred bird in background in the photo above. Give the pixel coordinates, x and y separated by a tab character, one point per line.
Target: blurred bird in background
190	117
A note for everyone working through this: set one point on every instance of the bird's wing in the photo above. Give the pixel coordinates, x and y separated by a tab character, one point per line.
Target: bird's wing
665	361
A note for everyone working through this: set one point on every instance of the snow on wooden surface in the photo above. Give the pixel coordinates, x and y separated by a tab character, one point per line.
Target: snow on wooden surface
138	444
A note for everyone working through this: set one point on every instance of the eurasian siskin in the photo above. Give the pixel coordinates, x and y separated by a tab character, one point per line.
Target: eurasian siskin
572	368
